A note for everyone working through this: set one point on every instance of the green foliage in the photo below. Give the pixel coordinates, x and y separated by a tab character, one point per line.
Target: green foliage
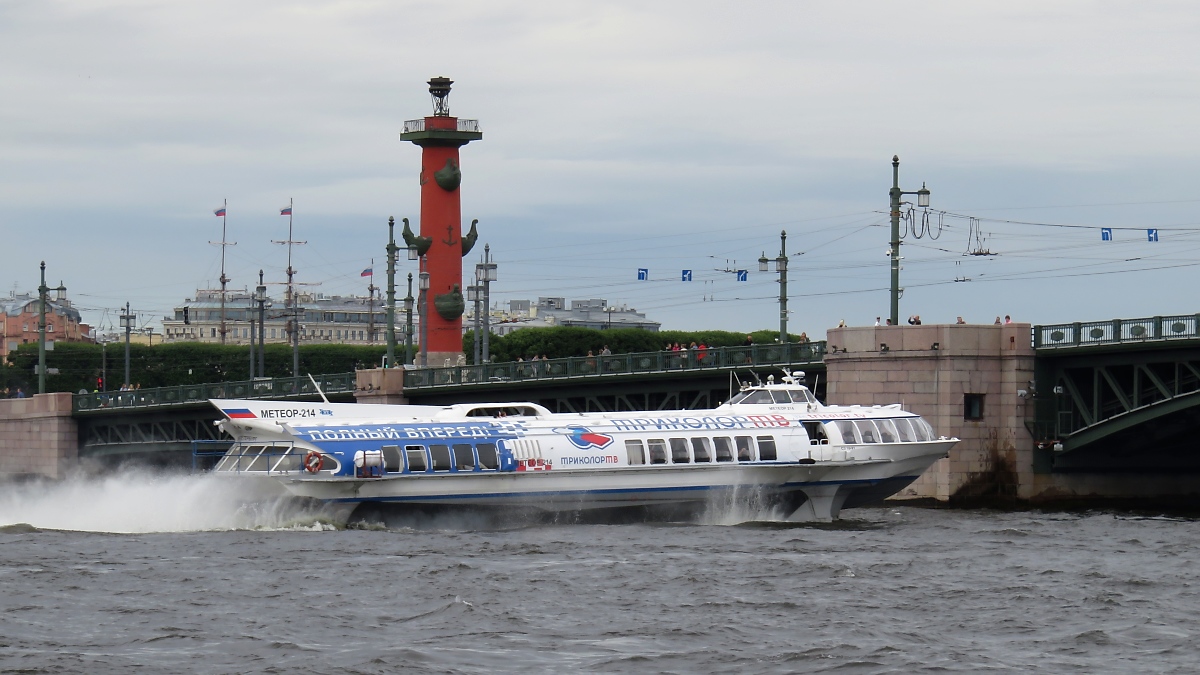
165	365
564	341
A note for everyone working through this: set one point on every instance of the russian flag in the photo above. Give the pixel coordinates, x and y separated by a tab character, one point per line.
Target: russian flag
285	211
220	212
367	272
239	413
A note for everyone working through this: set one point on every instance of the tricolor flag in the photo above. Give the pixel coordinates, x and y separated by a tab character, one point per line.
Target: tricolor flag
367	272
220	213
285	211
238	413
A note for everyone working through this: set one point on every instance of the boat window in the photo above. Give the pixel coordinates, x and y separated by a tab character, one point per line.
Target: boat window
290	458
925	431
816	433
866	430
637	454
700	450
464	458
849	435
440	457
766	448
904	427
745	448
781	396
253	459
416	458
658	450
757	396
887	431
391	458
679	451
487	455
803	396
724	448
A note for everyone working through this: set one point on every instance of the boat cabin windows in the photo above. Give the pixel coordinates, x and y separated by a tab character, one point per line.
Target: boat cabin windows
679	451
905	429
488	458
392	461
266	458
781	396
416	458
701	450
637	454
440	456
658	450
887	431
849	435
816	433
745	448
724	446
867	431
766	449
464	457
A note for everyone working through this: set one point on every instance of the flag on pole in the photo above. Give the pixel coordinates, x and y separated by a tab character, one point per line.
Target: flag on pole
368	272
285	211
220	213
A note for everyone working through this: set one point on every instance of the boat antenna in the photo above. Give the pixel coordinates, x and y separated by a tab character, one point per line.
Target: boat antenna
757	379
318	387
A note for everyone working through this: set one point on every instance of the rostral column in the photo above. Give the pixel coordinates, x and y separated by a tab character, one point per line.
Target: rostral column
441	245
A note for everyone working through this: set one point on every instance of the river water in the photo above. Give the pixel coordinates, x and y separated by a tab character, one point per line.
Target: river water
158	573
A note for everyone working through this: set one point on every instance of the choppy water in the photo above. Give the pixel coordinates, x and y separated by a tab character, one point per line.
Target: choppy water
161	574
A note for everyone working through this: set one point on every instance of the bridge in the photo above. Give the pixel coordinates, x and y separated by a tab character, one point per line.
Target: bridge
179	419
1118	394
1115	397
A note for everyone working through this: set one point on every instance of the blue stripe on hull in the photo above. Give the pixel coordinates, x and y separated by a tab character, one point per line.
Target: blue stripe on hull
699	489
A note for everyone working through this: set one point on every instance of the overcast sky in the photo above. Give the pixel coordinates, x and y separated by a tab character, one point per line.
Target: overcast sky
617	135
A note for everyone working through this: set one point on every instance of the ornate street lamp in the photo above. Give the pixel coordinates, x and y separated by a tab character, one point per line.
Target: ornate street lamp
781	265
923	202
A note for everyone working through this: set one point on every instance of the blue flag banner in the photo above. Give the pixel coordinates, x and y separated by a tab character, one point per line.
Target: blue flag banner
643	274
1151	235
1106	234
742	275
687	275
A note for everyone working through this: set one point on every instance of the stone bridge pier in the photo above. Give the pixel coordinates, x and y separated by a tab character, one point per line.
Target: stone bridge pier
976	382
38	436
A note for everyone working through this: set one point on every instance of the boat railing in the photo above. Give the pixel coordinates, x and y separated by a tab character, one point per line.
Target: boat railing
792	354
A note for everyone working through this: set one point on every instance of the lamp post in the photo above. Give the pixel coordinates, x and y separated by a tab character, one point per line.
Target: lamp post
408	327
42	291
486	273
260	296
922	201
392	249
127	320
475	295
781	265
423	311
250	314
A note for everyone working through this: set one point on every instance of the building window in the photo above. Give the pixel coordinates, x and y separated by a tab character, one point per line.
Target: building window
973	406
49	329
25	327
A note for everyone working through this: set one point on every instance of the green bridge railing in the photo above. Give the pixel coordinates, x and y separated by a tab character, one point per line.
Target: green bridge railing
427	378
797	354
1116	331
274	387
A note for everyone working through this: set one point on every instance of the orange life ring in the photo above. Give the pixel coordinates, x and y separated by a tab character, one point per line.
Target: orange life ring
313	461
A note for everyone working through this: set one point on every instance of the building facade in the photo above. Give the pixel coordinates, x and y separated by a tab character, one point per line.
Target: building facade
593	313
330	319
21	312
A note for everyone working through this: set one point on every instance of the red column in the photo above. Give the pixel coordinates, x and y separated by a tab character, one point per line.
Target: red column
441	221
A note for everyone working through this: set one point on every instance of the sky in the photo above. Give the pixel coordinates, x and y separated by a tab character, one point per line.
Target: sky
663	135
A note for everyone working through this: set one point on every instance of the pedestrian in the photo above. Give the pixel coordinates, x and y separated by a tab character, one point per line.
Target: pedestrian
749	341
1007	319
876	322
912	319
605	351
701	352
918	323
960	321
997	321
804	337
889	321
842	323
20	393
